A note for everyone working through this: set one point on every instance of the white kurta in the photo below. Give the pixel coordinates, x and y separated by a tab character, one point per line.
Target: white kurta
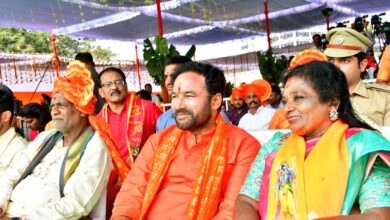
258	121
11	143
38	195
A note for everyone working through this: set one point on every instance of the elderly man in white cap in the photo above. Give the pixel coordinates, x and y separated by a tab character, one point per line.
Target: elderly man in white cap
347	50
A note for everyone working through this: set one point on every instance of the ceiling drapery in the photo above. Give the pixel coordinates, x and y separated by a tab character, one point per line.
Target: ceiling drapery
185	22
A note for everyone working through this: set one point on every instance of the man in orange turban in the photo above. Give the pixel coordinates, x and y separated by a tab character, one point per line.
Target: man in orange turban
258	116
239	107
64	171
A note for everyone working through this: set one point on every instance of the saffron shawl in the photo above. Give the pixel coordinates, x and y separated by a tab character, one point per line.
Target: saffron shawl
207	186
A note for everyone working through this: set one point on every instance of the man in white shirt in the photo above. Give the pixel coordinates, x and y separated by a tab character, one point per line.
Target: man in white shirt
10	142
258	116
64	171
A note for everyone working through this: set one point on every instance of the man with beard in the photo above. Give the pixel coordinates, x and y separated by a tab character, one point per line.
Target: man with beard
11	143
194	169
132	121
239	107
63	172
258	116
167	118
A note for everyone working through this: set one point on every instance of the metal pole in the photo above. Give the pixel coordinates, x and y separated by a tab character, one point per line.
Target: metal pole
138	66
267	23
159	19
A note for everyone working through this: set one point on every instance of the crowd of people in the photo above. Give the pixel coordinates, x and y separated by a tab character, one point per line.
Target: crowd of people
102	152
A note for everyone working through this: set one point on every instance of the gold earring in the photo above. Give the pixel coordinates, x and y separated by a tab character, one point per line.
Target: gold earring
333	114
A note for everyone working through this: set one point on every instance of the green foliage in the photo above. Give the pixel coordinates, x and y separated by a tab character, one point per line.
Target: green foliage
14	40
271	68
228	89
100	53
157	58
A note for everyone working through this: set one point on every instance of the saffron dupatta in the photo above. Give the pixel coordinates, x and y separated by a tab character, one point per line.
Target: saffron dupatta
312	187
77	87
135	118
207	186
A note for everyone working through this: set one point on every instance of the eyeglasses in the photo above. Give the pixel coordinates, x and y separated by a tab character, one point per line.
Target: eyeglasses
117	82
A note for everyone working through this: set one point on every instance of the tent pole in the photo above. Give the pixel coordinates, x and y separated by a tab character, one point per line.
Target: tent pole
138	66
267	23
15	72
159	19
53	43
327	23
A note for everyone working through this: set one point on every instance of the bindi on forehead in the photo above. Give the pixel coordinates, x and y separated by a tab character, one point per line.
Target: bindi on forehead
179	87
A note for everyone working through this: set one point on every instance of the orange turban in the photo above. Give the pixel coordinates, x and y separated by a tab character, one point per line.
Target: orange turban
261	88
77	87
237	92
305	57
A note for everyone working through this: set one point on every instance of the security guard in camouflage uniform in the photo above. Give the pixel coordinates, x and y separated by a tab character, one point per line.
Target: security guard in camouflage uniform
347	50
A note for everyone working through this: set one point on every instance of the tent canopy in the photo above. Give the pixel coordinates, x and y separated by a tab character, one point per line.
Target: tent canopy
185	22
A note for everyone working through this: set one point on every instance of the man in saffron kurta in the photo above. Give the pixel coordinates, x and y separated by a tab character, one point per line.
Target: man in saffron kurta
192	169
132	121
166	119
383	76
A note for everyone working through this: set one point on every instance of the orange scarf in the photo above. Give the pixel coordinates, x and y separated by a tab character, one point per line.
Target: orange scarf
207	186
105	132
77	87
313	187
135	118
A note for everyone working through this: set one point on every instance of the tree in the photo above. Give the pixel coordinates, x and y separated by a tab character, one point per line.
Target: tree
14	40
228	89
157	59
271	68
100	53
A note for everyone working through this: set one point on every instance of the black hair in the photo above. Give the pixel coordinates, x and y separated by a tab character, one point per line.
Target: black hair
144	94
6	99
331	85
361	56
112	69
84	57
178	60
316	35
214	77
35	110
276	89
